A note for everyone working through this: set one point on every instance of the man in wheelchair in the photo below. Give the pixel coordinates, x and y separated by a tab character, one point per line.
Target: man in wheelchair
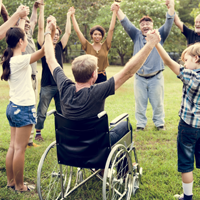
85	100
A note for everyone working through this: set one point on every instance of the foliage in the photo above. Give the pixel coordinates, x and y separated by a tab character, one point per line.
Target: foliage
185	8
90	12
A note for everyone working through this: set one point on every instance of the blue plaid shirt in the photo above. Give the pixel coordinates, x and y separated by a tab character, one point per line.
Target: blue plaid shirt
190	105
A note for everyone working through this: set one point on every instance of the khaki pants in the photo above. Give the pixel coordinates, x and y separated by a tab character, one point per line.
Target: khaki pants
35	88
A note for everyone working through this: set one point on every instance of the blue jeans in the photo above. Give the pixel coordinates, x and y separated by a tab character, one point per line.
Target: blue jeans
119	131
188	146
46	95
151	89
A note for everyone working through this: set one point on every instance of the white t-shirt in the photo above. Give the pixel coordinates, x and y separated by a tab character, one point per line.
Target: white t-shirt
21	90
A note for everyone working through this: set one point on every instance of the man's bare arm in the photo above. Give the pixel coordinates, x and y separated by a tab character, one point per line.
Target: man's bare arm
40	38
4	13
178	22
67	33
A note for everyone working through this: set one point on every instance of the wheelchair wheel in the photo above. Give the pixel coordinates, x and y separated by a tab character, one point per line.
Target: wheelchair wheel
48	175
118	175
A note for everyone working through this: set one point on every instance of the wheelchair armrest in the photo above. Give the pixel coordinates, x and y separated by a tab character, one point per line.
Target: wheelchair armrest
118	119
51	112
101	114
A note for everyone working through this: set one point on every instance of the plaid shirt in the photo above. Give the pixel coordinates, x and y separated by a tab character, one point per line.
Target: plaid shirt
190	105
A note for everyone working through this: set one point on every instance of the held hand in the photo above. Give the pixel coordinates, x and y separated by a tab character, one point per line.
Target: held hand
153	37
38	3
23	11
51	24
72	10
169	3
69	13
115	7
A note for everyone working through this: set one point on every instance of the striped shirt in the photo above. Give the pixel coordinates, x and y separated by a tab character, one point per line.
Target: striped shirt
190	105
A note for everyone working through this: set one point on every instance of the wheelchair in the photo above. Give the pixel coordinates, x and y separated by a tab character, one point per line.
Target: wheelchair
81	150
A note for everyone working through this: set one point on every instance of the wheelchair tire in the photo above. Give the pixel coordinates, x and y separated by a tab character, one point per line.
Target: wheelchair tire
48	175
118	175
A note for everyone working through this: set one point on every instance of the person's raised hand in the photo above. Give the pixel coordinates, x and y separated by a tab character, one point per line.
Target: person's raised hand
115	7
153	37
69	13
169	3
23	11
51	24
72	10
39	3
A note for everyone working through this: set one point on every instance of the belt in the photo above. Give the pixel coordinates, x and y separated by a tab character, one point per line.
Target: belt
147	77
33	76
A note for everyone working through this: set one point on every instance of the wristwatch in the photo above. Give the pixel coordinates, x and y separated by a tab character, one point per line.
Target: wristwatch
48	32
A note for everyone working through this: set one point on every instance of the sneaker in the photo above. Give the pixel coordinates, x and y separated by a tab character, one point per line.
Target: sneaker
32	144
161	128
183	197
179	196
139	129
39	137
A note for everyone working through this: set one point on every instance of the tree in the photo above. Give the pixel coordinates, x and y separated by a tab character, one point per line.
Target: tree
135	10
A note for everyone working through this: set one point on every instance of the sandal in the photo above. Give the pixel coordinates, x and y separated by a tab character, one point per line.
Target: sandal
22	191
11	187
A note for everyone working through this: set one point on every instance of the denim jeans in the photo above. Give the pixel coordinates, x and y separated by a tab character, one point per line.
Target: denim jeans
151	89
19	116
188	146
46	95
119	131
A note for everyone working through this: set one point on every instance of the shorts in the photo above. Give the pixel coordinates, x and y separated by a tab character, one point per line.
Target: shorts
19	116
188	146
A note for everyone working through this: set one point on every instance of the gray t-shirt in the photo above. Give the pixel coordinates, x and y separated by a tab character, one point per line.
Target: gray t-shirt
30	48
85	103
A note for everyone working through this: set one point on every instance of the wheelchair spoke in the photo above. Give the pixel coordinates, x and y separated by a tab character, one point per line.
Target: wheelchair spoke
118	174
49	176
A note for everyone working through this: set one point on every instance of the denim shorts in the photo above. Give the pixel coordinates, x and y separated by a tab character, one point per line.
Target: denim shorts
188	146
19	116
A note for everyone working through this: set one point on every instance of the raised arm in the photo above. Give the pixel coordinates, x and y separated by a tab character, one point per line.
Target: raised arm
111	29
33	18
76	27
40	38
170	6
178	22
133	65
174	66
21	12
67	33
4	13
48	45
37	55
120	14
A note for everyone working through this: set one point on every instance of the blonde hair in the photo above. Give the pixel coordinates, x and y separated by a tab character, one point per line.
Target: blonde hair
83	67
193	50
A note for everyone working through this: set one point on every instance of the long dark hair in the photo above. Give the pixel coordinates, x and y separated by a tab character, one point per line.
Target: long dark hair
13	35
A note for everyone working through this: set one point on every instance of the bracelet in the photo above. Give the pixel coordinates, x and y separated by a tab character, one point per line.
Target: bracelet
48	32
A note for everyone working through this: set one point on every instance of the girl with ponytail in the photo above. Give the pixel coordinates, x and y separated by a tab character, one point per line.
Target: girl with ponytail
21	112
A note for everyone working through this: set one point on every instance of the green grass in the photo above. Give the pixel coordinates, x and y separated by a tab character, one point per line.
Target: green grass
156	150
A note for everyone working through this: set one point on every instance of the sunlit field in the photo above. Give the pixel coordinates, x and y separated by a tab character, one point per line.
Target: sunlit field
156	150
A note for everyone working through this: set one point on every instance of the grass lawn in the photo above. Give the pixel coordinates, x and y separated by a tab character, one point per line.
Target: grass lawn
156	150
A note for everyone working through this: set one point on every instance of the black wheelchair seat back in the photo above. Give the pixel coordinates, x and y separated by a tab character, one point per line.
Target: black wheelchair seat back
82	143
